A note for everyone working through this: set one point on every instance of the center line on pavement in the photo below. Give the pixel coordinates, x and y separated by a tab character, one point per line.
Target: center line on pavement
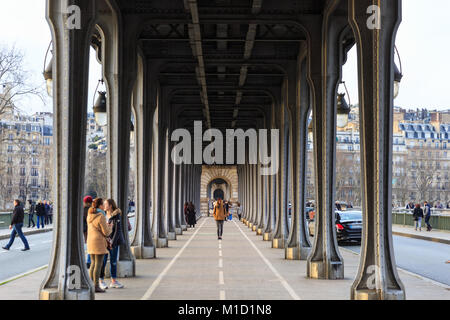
221	281
220	253
158	280
220	263
271	267
222	295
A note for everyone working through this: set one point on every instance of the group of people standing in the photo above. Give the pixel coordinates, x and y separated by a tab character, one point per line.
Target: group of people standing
103	236
43	212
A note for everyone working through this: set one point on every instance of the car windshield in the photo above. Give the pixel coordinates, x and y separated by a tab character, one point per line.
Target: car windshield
352	215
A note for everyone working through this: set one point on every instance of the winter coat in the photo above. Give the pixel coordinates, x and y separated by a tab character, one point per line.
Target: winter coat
191	216
98	230
17	216
417	213
40	210
427	211
219	212
116	235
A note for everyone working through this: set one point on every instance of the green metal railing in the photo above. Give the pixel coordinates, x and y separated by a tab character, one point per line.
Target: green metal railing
438	220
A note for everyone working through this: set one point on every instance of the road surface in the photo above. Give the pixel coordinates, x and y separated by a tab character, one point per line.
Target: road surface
425	258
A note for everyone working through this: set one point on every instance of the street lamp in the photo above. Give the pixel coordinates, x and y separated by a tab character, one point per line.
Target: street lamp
99	107
398	75
343	109
132	131
48	72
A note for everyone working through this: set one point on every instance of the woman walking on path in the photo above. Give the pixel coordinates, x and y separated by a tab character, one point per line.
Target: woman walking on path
97	245
113	216
418	215
219	216
239	210
186	213
192	219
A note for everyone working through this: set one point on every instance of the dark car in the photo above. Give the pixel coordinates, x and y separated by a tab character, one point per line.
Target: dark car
349	225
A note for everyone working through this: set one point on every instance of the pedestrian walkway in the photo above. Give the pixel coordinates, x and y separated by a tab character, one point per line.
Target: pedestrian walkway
441	236
240	267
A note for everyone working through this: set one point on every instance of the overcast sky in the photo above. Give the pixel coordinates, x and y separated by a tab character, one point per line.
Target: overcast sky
423	41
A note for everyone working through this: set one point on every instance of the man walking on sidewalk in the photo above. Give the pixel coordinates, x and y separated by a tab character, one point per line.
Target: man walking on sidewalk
16	227
427	214
31	210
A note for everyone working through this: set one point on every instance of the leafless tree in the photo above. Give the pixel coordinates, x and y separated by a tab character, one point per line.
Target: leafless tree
15	81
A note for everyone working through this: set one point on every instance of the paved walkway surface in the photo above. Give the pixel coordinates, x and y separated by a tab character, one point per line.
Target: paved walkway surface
441	236
240	267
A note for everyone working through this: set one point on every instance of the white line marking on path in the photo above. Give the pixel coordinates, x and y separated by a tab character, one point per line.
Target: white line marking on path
222	295
220	263
158	280
271	267
220	253
16	277
221	281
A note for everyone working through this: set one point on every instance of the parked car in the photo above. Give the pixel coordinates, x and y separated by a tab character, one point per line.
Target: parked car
348	226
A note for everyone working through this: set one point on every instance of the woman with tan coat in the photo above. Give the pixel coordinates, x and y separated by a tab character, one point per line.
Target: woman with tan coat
97	246
219	216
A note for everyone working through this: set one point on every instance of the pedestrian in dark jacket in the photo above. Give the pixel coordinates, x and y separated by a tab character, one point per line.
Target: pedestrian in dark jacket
47	211
31	211
418	215
186	212
192	219
16	227
427	213
40	213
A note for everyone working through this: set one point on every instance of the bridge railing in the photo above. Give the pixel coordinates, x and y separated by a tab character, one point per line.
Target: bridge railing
440	218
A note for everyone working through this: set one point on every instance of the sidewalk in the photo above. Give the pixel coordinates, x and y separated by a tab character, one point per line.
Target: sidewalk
240	267
5	233
440	236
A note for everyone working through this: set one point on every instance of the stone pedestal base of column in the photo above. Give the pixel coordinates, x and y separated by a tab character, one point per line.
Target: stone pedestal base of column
184	227
318	270
125	269
259	231
367	294
297	253
53	294
162	243
267	236
278	243
244	221
143	252
178	231
254	227
172	235
250	225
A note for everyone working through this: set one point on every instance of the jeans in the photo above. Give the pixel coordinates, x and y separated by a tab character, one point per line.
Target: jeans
41	220
88	261
31	220
219	227
17	229
113	254
427	221
50	219
418	223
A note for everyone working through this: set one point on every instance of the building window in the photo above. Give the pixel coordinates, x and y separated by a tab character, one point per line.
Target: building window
22	172
10	149
34	172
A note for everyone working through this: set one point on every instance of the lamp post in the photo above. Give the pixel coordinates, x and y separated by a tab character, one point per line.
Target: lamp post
398	75
48	72
99	107
343	109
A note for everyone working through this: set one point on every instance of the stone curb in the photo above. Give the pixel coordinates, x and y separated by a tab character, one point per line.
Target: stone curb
417	236
28	233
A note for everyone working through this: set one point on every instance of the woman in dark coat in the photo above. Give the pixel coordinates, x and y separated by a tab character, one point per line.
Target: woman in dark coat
186	213
191	215
418	215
